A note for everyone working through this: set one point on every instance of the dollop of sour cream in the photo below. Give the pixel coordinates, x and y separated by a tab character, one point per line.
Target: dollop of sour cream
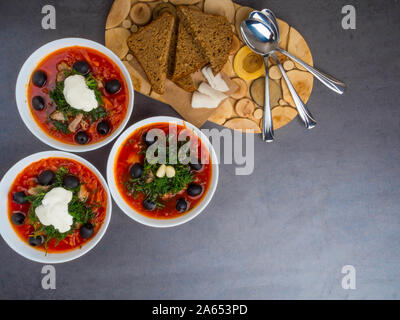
78	95
54	209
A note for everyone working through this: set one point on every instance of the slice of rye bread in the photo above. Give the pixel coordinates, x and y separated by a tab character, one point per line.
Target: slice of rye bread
151	47
213	34
189	57
186	83
172	51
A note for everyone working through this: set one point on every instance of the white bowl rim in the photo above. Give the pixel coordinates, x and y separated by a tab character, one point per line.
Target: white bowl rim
22	84
15	242
152	222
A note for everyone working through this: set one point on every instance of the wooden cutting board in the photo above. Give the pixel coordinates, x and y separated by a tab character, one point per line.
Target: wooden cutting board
239	112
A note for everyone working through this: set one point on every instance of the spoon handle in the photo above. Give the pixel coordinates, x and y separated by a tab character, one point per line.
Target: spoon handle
304	113
268	129
332	83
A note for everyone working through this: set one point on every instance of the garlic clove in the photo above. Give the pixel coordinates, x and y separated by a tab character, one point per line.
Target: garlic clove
161	171
170	171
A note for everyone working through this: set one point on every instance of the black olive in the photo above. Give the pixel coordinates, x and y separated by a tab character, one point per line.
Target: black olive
82	137
181	205
194	189
39	78
20	197
136	171
103	127
148	140
149	205
46	178
196	166
18	218
36	241
86	230
38	103
70	181
113	86
82	67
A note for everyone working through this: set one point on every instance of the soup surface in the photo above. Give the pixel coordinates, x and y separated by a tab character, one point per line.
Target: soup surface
87	207
162	190
102	83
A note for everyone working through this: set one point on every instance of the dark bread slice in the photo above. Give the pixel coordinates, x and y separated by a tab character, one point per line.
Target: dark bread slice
151	47
172	50
189	57
186	83
213	34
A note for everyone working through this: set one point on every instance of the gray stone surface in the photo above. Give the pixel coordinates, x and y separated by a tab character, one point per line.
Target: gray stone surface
316	201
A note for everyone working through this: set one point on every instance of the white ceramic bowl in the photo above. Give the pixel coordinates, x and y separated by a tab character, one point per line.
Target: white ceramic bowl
21	247
127	209
25	74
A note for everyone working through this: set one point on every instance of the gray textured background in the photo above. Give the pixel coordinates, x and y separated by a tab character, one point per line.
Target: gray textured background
317	200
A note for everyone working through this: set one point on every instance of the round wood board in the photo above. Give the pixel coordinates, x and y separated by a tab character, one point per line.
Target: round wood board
230	113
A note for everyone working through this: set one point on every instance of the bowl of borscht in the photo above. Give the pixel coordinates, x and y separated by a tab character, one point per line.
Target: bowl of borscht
57	207
162	171
74	94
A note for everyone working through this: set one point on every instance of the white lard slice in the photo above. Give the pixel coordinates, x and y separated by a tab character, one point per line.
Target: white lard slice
206	89
216	82
201	100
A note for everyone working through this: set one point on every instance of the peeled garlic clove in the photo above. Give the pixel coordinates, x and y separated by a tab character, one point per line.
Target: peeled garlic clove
170	171
161	171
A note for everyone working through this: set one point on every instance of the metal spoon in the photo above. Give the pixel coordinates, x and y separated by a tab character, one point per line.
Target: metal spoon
254	44
272	32
262	34
263	17
332	83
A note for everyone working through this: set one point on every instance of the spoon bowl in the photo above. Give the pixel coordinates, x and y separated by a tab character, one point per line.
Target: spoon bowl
267	17
260	35
269	22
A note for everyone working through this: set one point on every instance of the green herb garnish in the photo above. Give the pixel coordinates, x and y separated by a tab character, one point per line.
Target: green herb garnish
91	82
79	210
57	95
98	113
61	126
156	188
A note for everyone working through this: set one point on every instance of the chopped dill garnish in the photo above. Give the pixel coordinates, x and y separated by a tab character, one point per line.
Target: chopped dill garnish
57	95
79	210
156	188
